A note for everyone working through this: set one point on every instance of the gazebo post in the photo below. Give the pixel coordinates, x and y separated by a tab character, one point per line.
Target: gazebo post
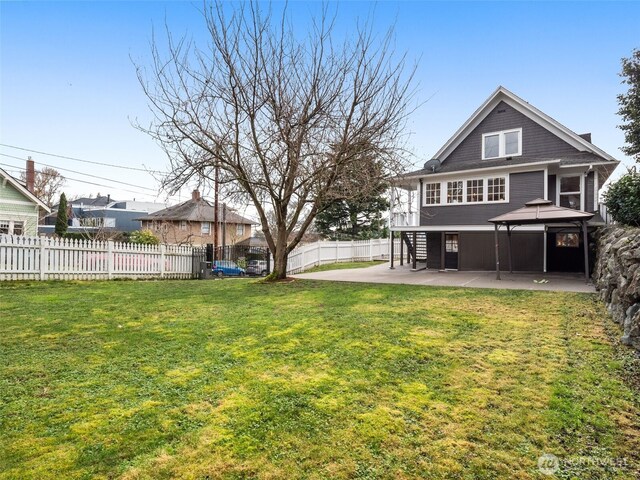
509	247
401	250
585	242
497	252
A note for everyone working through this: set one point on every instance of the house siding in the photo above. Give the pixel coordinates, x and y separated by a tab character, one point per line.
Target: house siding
15	212
537	142
523	187
434	246
170	232
589	193
552	188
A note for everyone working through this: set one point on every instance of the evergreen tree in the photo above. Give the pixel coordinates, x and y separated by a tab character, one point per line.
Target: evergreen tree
630	105
62	219
358	219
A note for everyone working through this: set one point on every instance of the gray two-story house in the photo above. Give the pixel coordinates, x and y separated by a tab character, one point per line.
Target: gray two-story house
506	154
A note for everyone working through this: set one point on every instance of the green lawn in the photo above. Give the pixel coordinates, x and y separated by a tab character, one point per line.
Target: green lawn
239	379
343	266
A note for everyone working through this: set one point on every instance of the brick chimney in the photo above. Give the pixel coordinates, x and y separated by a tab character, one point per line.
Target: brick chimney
195	195
31	175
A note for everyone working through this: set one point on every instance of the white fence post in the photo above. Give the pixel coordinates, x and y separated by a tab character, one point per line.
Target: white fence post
110	259
44	260
162	256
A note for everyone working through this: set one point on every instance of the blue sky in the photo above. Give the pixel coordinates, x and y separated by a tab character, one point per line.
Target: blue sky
68	83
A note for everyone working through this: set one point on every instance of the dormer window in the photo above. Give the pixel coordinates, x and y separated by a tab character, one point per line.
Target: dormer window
507	143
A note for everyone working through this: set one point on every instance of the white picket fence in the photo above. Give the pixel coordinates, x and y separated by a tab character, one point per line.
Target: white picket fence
320	253
40	258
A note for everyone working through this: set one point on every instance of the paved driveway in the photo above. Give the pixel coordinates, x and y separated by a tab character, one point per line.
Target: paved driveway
519	281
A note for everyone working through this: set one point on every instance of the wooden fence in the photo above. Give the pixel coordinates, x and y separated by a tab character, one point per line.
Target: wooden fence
320	253
40	258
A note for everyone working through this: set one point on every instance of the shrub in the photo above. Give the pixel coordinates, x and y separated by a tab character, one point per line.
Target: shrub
623	199
146	237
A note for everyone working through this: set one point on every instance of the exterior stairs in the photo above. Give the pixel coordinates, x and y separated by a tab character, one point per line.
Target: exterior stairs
416	243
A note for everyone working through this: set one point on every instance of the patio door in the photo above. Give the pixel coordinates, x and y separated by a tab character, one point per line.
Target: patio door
451	251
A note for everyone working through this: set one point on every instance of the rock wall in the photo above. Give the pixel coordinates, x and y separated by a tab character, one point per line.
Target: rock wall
617	278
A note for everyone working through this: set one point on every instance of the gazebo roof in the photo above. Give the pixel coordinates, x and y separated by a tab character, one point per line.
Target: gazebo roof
541	211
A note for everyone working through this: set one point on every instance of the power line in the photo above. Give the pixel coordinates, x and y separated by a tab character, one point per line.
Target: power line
81	173
80	159
83	181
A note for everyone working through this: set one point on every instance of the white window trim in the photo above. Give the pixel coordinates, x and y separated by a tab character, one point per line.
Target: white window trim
202	229
581	192
12	224
485	191
424	193
501	143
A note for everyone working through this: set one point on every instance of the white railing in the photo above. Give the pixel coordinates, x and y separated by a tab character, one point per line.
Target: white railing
604	213
40	258
405	219
320	253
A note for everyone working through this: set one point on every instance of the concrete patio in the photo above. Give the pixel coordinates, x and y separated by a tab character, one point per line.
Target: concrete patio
403	275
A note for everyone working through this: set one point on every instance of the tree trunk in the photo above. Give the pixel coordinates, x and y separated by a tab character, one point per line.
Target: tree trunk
280	257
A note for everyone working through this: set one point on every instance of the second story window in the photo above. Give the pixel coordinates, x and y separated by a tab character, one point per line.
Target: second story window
432	193
205	228
240	229
454	192
183	224
502	144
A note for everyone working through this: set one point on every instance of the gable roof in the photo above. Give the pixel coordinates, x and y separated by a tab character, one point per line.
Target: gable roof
23	190
195	211
501	94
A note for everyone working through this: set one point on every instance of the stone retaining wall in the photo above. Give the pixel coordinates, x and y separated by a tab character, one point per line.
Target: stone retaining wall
617	278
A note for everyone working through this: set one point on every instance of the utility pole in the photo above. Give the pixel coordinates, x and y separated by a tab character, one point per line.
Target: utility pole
215	212
224	225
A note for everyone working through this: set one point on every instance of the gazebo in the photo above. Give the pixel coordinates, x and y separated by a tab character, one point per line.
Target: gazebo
540	211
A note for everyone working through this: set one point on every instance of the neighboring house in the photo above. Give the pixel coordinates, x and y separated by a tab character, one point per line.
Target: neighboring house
19	207
506	154
102	214
191	222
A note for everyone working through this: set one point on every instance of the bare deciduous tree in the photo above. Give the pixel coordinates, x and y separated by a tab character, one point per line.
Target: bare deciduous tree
284	117
47	184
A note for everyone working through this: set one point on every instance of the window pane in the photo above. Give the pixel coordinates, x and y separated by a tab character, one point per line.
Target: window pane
491	146
4	226
475	190
18	228
451	243
570	240
569	184
511	143
454	192
570	201
432	193
496	189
